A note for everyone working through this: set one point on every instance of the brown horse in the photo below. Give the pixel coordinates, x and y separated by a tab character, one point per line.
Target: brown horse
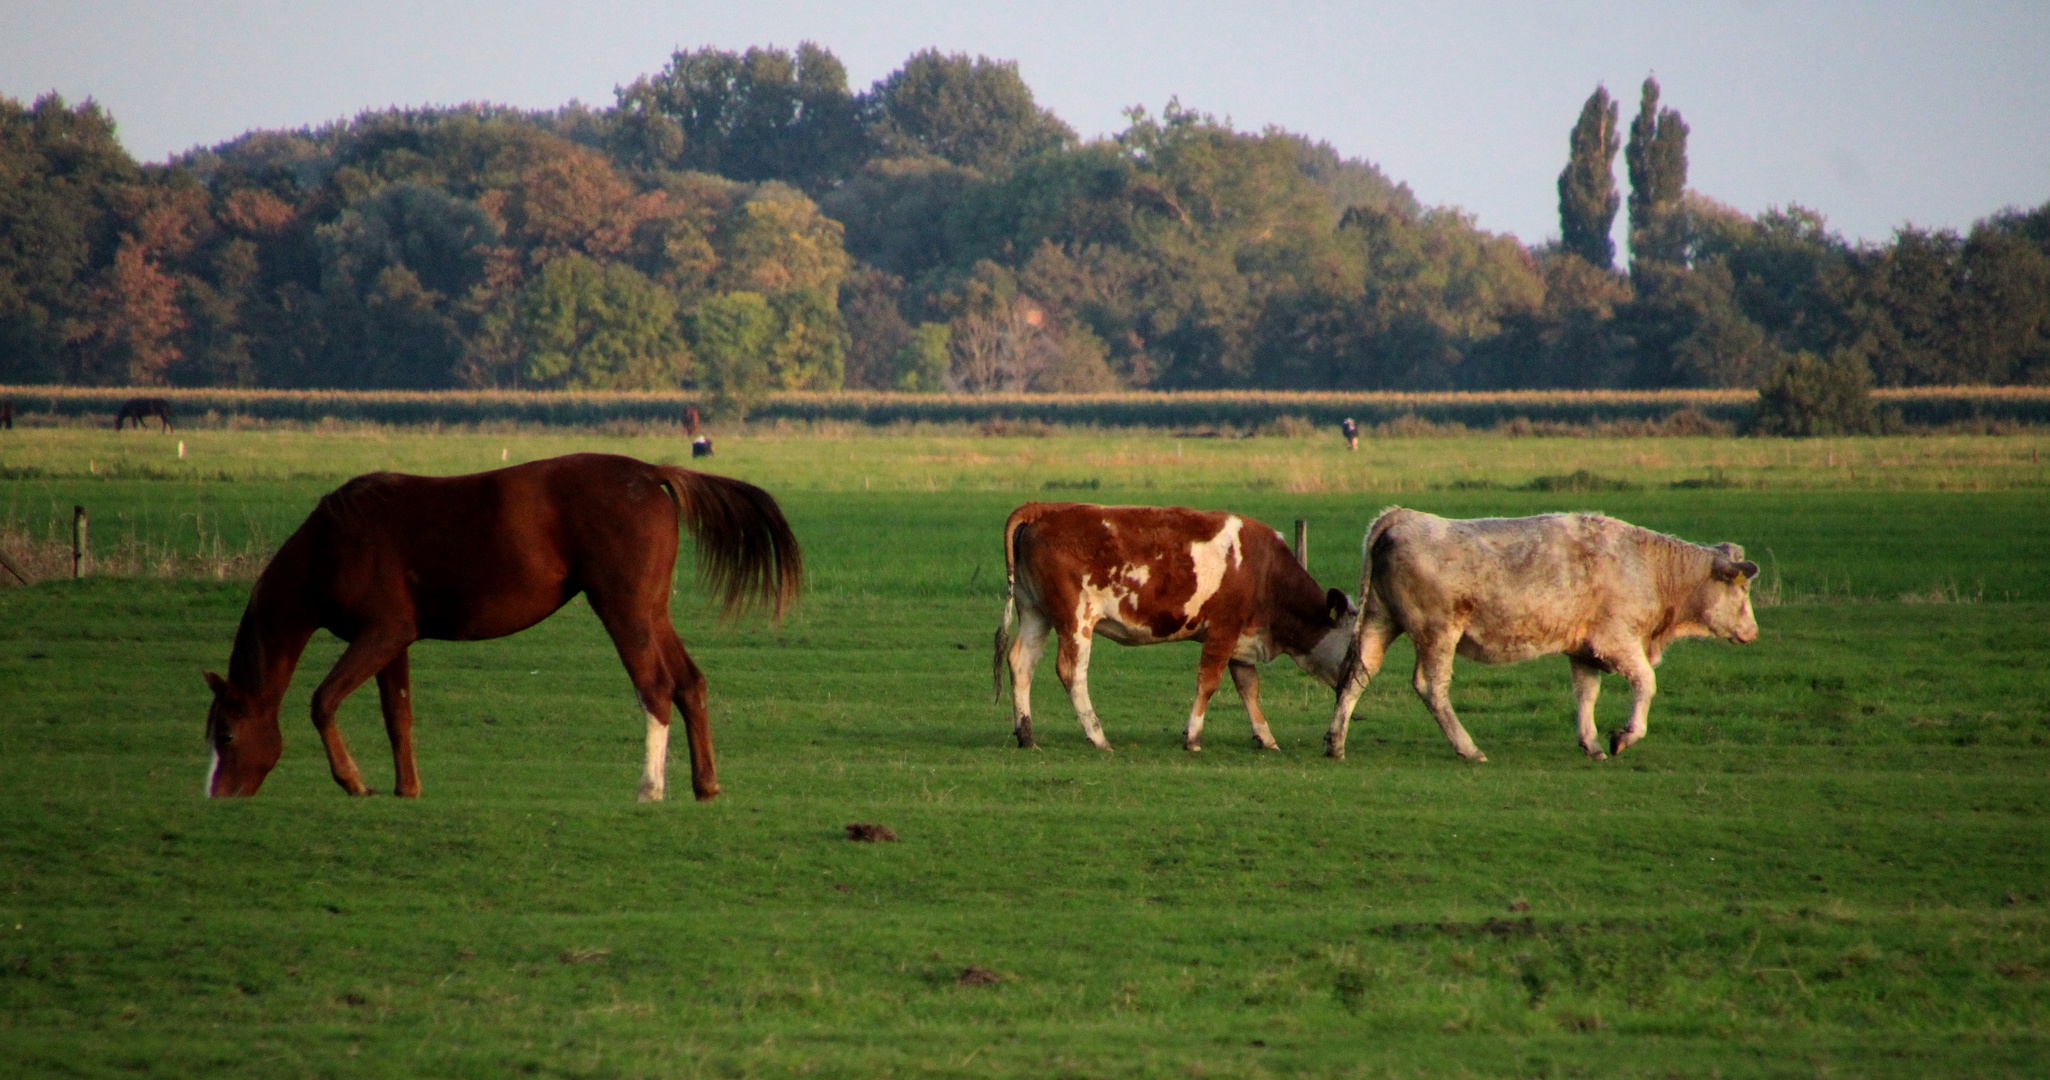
138	408
388	559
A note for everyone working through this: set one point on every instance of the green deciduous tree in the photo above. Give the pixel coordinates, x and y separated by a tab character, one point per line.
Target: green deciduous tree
766	114
876	329
732	335
583	326
1805	395
975	113
1587	186
62	178
921	364
1657	160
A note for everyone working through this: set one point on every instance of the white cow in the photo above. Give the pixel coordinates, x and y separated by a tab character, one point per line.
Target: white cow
1609	595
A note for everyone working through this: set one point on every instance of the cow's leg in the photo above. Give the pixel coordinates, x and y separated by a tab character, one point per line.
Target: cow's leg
395	698
1371	641
1247	678
1071	662
1210	667
370	653
1026	650
1587	685
1435	649
1632	665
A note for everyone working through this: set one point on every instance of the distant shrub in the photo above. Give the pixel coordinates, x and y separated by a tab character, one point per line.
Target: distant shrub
1806	395
1578	480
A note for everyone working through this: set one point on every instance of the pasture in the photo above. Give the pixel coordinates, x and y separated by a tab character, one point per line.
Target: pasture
1828	857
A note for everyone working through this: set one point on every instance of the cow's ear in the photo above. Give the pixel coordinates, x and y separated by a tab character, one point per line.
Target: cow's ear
1337	604
1728	570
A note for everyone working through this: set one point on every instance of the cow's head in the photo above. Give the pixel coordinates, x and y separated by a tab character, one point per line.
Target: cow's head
243	734
1726	596
1326	659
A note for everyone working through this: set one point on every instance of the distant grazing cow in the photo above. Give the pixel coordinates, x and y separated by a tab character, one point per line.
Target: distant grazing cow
137	408
701	446
1141	575
1351	431
7	414
1611	596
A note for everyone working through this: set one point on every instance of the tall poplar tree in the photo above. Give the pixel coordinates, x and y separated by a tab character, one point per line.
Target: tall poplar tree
1657	158
1587	188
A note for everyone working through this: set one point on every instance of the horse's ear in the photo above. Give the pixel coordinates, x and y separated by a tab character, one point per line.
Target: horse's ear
219	685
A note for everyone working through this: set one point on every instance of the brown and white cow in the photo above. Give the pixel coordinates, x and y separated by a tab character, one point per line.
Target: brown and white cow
1141	575
1609	595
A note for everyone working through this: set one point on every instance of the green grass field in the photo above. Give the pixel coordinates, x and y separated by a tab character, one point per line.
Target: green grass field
1828	858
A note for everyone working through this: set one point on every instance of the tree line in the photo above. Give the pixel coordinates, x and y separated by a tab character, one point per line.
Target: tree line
741	222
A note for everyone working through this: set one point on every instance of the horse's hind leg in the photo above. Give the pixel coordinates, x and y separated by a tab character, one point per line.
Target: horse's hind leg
689	694
662	674
369	654
395	696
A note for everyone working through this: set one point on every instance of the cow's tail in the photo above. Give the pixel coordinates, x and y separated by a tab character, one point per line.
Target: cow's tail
1001	647
1382	522
746	551
1000	654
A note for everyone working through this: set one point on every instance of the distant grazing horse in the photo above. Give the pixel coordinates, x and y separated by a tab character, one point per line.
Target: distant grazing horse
136	408
388	559
6	414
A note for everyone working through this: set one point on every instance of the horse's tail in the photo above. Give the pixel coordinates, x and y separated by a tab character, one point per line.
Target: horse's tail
746	551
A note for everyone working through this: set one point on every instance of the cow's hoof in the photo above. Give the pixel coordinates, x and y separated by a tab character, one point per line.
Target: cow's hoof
1193	748
649	793
1615	742
1024	733
707	795
1335	752
1597	755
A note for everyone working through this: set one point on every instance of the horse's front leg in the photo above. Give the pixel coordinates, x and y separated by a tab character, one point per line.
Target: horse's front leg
395	697
366	656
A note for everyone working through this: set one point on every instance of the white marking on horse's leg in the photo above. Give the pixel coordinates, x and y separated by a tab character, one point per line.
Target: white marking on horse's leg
213	769
654	774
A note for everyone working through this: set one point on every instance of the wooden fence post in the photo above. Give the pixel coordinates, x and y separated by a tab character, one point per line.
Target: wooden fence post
1302	542
78	540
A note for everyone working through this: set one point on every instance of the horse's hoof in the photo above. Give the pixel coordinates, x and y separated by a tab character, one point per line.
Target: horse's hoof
707	795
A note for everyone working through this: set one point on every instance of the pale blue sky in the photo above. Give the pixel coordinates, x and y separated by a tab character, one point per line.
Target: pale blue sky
1874	113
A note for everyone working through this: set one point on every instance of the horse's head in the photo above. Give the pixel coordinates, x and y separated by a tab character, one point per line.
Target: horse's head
243	734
